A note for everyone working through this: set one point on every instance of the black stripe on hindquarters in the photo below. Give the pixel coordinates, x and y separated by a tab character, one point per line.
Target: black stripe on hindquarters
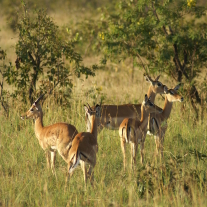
84	156
156	124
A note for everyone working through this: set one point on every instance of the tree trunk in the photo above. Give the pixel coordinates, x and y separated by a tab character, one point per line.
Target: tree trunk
36	65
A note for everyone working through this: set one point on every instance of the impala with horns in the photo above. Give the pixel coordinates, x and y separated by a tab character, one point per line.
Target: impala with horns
84	146
158	122
113	115
56	137
134	131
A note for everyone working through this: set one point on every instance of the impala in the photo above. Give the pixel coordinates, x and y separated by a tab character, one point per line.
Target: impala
56	137
134	132
158	122
113	115
84	146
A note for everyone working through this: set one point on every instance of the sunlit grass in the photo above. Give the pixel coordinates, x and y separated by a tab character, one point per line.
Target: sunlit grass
180	179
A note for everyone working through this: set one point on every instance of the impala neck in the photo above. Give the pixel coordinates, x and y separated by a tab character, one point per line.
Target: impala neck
38	125
144	115
151	94
94	126
167	108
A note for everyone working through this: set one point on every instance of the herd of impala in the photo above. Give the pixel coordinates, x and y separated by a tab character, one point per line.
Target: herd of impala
133	121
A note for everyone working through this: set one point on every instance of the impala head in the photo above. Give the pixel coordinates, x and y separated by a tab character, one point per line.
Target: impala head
91	114
35	110
157	86
151	107
172	94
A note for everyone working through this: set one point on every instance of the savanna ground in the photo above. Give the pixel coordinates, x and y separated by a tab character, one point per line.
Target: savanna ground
180	179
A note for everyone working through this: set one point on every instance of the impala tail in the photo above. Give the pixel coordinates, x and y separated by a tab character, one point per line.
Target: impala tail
124	134
127	131
123	130
74	161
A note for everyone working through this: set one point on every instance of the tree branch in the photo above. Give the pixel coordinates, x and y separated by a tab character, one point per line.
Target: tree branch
32	59
51	90
137	55
179	67
141	61
156	15
34	77
185	59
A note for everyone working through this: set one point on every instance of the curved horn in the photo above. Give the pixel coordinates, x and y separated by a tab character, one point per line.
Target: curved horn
39	98
89	107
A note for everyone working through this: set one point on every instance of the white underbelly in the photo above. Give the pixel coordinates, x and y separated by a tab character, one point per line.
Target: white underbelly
53	147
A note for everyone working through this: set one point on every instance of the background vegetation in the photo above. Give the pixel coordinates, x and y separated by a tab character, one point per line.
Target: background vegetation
58	47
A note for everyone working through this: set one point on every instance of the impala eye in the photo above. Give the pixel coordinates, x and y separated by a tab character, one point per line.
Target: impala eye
159	84
151	104
32	109
171	92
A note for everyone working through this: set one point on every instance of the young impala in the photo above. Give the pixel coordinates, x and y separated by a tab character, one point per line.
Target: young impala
134	132
158	122
113	115
84	146
54	137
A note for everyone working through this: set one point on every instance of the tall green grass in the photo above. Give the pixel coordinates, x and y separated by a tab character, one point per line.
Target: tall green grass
178	180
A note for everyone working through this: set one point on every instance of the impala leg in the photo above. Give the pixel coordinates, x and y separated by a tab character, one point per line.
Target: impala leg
157	144
53	156
91	174
83	166
161	146
159	139
91	171
142	151
67	178
149	124
133	154
123	142
68	175
47	155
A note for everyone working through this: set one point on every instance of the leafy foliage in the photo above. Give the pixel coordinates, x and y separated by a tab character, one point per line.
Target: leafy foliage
162	36
3	93
41	53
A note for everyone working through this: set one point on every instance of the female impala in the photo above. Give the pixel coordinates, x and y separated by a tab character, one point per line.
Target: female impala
158	122
134	131
113	115
84	146
54	137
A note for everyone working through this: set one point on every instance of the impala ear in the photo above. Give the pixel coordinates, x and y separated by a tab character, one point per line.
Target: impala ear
146	98
98	110
177	87
147	78
35	105
86	108
98	107
156	79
